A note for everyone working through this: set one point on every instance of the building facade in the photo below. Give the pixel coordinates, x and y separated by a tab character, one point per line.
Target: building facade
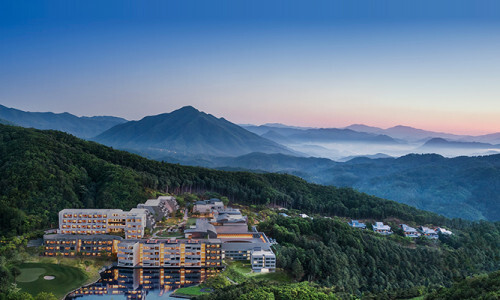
72	245
172	253
263	260
103	221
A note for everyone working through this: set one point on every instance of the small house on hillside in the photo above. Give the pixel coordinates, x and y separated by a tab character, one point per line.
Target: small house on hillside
428	232
443	231
409	231
381	228
357	224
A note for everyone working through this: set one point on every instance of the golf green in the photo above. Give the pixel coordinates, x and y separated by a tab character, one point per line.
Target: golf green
66	278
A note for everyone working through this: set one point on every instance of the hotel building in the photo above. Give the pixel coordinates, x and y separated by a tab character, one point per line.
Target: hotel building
171	253
70	245
103	221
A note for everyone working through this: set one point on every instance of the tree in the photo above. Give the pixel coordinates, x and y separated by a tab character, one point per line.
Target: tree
225	200
297	269
45	296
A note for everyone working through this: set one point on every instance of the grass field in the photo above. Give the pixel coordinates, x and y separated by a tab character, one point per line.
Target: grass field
190	291
66	278
238	271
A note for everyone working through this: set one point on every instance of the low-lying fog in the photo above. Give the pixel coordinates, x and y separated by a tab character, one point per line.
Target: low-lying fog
341	151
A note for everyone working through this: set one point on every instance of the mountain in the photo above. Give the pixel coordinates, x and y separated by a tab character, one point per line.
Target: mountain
364	128
295	135
187	131
463	187
83	127
372	156
493	138
42	172
442	143
5	122
332	135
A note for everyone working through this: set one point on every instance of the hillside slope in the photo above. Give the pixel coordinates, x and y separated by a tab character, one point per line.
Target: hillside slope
465	187
42	172
187	131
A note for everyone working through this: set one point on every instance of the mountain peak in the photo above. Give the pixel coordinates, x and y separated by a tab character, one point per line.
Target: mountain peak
187	109
187	131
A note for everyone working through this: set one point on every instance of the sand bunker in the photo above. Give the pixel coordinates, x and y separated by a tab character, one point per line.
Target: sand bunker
49	277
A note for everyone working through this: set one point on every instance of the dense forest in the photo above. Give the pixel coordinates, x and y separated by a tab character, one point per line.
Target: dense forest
265	290
484	287
329	252
42	172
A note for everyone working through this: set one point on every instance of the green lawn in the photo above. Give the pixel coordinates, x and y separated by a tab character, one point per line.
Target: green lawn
66	278
238	271
190	291
170	234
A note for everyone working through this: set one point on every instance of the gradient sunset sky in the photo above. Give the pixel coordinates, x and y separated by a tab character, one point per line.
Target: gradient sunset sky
428	64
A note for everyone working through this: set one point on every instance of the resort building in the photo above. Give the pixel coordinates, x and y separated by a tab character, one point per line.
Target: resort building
263	260
161	207
381	228
141	283
357	224
208	207
72	245
202	230
428	232
226	234
103	221
409	231
171	253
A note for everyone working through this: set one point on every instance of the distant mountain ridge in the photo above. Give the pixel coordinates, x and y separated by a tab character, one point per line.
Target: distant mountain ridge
464	187
187	131
83	127
290	134
440	142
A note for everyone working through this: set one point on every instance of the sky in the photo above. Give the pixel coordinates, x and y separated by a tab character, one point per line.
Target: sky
428	64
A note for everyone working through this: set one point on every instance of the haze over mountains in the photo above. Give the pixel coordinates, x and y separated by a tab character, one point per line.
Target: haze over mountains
359	156
361	140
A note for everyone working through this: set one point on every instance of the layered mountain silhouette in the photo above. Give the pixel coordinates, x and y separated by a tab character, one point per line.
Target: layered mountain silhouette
442	143
289	134
187	131
83	127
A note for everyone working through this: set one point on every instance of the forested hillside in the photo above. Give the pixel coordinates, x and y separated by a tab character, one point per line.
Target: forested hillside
460	187
42	172
357	261
480	287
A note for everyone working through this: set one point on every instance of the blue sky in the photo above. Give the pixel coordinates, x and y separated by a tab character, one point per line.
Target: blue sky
428	64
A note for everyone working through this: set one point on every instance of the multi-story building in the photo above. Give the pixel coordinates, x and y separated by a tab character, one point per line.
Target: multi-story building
72	245
263	260
141	283
170	253
103	221
161	207
208	207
